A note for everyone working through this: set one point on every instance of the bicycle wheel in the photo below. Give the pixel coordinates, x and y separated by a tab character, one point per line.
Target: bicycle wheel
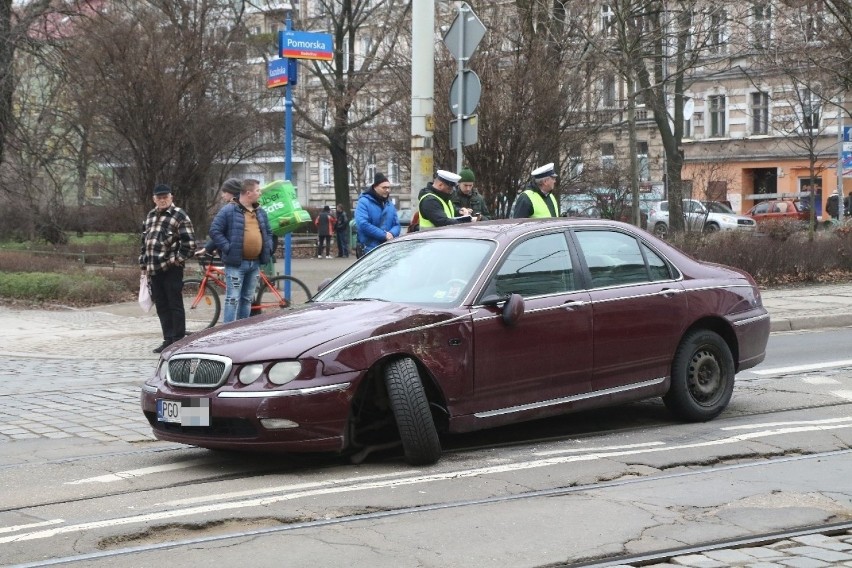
200	306
266	298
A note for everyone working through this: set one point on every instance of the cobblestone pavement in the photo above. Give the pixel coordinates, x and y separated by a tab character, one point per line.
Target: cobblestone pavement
809	551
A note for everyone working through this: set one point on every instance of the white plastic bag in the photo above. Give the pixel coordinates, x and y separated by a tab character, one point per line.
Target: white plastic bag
145	301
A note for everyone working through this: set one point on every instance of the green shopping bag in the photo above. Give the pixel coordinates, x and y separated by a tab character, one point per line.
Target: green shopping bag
282	207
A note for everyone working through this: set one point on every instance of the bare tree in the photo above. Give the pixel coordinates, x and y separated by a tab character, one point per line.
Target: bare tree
368	63
808	86
172	102
536	74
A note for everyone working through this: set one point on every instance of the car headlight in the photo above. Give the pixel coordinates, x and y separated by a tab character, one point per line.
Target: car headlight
163	370
250	373
729	220
284	372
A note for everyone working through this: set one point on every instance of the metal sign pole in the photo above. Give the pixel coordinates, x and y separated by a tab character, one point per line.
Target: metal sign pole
288	163
463	9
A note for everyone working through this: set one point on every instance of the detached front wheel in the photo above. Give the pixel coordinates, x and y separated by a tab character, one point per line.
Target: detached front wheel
702	377
411	412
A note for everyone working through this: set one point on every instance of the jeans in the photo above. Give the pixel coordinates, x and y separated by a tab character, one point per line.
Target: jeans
241	283
342	243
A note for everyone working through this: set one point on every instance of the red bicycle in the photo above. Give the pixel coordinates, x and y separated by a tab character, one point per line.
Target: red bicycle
201	300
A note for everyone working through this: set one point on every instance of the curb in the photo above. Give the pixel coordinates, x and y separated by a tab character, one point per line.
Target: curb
809	322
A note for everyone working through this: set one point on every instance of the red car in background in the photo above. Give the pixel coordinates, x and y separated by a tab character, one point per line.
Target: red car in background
793	209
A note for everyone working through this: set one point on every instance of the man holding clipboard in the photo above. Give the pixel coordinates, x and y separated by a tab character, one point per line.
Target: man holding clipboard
436	209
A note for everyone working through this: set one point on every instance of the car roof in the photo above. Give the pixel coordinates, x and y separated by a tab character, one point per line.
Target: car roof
511	228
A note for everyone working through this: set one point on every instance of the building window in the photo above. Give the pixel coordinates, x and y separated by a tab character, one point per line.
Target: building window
326	177
370	170
608	88
717	116
718	42
393	171
810	109
687	117
760	113
761	26
642	161
607	18
814	20
575	166
607	155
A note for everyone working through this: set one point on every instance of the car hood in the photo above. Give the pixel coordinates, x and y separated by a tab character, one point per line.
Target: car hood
293	333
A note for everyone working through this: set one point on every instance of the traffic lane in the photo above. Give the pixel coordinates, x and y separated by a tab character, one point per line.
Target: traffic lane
808	347
142	463
175	504
653	496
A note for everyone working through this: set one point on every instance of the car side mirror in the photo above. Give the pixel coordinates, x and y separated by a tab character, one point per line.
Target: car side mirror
512	309
324	283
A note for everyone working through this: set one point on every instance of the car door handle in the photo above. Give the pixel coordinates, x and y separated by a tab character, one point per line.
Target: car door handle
571	304
670	292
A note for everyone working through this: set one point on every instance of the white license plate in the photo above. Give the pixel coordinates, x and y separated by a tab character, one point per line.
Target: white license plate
188	412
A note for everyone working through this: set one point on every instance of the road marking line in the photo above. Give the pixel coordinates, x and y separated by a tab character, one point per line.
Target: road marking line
600	449
800	368
383	484
17	528
820	381
131	473
789	423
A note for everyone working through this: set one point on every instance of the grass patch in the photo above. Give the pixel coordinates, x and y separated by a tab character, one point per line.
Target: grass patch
39	279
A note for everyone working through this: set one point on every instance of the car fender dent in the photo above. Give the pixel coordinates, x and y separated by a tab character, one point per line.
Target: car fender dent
386	336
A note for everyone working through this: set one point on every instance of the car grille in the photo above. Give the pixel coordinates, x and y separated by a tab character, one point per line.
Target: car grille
198	370
745	221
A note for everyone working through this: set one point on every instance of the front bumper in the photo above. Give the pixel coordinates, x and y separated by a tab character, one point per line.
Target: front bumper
312	418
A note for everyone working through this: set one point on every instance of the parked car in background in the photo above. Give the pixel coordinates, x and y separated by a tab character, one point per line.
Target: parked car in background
790	209
624	214
462	328
708	216
404	216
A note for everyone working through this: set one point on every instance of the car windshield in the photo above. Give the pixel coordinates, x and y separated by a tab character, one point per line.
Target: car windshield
404	216
436	272
716	207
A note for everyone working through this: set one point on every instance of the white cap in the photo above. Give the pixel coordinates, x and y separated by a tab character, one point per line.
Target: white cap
544	171
449	178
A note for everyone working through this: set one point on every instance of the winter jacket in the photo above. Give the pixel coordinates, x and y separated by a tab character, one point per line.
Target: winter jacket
475	202
373	218
228	229
324	224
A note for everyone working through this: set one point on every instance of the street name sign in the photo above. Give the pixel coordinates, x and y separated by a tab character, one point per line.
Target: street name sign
276	73
305	45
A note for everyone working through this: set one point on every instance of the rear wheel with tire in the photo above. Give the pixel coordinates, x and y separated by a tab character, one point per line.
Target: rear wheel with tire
661	230
266	298
702	377
201	309
411	411
711	228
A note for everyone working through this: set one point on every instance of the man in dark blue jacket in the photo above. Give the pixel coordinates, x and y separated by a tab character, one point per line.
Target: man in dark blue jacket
375	214
241	233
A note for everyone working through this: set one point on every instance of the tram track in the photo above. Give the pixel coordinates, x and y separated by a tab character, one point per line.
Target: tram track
300	464
389	512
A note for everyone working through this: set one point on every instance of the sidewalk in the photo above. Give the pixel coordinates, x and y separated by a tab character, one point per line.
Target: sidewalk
124	332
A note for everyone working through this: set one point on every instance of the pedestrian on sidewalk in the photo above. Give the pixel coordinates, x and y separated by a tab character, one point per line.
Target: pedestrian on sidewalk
241	233
325	228
341	230
167	241
375	214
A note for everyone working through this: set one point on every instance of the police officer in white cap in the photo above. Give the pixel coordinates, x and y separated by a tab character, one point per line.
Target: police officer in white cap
538	201
435	207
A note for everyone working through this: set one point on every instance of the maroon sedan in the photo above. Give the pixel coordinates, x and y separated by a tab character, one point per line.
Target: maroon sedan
462	328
